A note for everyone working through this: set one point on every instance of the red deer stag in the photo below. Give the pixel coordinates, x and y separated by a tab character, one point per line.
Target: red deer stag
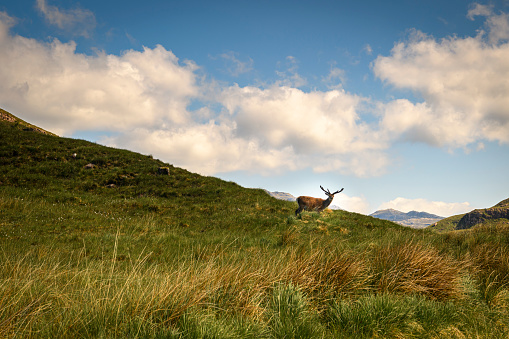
315	204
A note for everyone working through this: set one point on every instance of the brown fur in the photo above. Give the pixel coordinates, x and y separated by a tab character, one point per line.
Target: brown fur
315	204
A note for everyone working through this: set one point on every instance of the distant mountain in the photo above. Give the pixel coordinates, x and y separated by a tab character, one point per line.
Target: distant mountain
281	195
412	219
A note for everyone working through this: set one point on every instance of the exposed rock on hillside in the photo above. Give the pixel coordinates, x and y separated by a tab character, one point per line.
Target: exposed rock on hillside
500	210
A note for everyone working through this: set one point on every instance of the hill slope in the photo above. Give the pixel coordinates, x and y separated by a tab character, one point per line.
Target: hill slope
6	116
499	211
67	170
96	242
98	181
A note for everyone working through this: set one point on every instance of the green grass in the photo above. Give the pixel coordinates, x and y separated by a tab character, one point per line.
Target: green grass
120	251
447	224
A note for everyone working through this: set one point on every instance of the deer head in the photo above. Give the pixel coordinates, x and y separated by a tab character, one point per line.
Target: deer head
315	204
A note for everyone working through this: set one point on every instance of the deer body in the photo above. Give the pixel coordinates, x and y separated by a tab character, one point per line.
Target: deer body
315	204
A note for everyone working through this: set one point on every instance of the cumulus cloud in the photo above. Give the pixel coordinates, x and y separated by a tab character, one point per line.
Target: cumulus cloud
497	24
351	204
66	91
440	208
464	83
142	97
322	128
269	131
206	148
77	21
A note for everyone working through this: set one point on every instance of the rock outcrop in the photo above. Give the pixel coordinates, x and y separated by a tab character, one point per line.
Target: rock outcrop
500	210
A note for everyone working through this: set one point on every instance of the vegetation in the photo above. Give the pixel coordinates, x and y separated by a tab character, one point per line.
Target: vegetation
118	250
447	224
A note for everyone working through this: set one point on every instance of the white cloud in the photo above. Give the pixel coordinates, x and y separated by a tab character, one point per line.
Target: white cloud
78	21
206	149
64	91
351	204
143	97
335	78
497	24
464	83
479	9
440	208
322	128
290	77
237	67
324	122
268	131
6	22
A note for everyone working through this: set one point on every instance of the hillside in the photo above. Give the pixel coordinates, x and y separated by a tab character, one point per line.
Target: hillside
412	219
71	171
495	214
6	116
102	242
479	216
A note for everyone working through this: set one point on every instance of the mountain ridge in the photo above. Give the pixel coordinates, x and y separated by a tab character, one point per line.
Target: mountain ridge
413	219
478	216
498	213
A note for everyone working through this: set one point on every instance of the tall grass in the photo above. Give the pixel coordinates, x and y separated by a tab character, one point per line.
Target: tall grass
415	268
289	292
120	251
492	272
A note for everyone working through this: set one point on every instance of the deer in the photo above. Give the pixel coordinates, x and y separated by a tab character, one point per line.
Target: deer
315	204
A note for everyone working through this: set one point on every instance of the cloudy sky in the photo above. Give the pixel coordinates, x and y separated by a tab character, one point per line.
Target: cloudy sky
405	104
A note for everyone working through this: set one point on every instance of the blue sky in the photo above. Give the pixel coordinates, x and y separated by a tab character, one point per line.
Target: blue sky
405	104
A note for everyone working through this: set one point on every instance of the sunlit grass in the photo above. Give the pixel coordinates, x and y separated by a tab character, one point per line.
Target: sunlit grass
186	256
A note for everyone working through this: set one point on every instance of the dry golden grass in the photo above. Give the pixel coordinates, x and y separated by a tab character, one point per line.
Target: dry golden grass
491	267
415	268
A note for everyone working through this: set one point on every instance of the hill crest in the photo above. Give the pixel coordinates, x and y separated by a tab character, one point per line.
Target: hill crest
478	216
6	116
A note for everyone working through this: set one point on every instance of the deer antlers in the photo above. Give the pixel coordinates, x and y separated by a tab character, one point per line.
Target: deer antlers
329	193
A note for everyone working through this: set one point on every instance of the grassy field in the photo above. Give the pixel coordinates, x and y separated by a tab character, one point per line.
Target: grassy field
120	251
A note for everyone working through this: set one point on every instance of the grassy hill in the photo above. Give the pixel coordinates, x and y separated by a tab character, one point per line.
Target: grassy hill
447	224
498	214
118	250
